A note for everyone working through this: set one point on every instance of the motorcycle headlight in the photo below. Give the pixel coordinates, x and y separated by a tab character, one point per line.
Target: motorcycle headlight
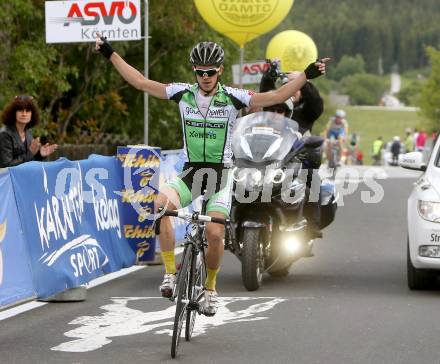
278	176
238	175
429	211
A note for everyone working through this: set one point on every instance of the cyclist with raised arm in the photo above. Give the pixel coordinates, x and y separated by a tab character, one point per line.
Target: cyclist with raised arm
208	111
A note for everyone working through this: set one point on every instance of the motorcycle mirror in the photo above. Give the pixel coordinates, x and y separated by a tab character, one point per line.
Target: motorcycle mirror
313	142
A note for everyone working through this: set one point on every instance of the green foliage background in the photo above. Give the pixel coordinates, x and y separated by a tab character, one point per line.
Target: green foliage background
82	96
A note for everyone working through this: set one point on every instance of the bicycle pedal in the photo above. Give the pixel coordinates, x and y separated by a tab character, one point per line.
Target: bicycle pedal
168	293
207	314
194	306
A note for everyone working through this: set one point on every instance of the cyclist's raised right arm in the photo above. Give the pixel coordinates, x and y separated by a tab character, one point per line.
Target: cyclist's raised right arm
129	73
137	79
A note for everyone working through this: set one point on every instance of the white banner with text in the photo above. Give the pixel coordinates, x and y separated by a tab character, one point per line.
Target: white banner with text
80	21
251	72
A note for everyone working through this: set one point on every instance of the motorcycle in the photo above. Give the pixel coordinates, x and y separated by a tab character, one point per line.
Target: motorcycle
268	225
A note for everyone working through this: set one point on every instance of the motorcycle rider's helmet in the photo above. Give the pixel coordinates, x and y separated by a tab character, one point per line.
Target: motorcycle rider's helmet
207	54
285	108
340	114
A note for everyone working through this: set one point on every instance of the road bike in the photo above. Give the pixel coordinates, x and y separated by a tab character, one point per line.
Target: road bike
188	290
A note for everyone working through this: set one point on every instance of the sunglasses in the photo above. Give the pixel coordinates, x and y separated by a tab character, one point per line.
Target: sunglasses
209	73
278	110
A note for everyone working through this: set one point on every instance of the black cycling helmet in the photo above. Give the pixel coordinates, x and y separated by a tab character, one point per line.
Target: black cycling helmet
207	54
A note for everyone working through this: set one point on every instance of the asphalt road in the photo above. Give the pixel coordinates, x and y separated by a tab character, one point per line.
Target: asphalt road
347	304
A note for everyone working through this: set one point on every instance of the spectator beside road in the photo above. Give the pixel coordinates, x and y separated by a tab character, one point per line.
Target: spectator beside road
409	141
434	137
395	151
17	144
421	140
415	135
429	145
377	151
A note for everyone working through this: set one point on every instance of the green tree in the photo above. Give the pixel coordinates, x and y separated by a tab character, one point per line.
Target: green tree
364	89
430	96
410	93
66	80
347	66
80	93
391	32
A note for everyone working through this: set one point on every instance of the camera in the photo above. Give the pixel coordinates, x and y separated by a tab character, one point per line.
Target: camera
274	70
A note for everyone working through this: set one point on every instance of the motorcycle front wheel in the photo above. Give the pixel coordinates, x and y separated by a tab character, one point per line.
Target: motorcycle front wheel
252	263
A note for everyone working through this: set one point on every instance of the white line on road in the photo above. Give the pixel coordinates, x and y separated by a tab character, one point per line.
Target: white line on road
20	309
14	311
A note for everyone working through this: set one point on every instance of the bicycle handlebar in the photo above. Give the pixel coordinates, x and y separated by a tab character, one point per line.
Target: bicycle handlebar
195	217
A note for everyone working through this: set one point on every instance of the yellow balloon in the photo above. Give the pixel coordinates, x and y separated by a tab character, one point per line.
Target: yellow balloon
296	50
243	20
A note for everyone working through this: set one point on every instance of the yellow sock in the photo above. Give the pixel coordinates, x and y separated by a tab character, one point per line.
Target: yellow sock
169	262
211	278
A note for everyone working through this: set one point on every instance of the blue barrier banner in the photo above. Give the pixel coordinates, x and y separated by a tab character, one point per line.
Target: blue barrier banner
70	212
140	170
15	274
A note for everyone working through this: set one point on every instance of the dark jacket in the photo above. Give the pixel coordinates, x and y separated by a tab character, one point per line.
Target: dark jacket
395	148
12	150
307	110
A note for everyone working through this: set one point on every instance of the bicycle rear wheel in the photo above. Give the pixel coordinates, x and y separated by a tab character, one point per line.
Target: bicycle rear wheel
196	281
182	299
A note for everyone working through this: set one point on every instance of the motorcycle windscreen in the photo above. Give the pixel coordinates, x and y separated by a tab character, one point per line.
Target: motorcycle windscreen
263	136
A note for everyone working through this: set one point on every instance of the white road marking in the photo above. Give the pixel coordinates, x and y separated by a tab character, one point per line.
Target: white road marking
20	309
14	311
120	320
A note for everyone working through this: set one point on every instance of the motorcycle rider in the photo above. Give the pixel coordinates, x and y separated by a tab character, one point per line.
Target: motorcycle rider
208	110
307	108
337	128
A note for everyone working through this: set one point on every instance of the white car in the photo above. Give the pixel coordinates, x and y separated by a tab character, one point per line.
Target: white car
423	262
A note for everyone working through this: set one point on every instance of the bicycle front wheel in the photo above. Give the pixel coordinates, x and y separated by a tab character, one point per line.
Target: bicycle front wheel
196	281
182	299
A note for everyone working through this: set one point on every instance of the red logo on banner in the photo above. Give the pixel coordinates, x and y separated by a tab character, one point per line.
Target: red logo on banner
91	13
255	69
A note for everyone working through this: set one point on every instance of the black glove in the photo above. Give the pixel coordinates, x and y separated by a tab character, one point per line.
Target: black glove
312	71
105	48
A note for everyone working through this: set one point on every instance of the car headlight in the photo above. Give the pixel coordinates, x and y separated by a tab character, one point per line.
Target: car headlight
429	210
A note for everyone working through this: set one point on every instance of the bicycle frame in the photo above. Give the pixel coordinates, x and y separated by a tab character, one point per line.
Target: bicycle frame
188	289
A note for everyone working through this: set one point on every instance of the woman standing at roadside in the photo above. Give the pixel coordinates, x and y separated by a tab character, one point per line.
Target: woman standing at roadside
17	145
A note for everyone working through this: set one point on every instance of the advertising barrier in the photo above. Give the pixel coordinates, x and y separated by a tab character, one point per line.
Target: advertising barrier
15	275
71	221
140	170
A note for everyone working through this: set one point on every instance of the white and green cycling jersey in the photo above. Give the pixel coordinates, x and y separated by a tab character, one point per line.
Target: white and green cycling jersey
208	138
